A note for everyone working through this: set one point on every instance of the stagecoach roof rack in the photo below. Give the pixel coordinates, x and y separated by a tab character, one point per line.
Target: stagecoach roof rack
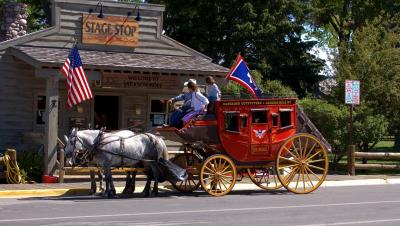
230	96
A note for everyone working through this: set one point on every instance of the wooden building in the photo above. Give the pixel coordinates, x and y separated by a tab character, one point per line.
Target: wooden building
132	67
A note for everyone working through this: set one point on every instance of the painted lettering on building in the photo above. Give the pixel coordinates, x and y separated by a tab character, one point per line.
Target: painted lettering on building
113	80
110	30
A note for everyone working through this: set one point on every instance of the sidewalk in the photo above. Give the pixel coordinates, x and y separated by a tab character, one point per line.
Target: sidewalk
82	188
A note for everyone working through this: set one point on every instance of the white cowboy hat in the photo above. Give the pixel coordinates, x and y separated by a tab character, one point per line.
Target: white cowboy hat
190	80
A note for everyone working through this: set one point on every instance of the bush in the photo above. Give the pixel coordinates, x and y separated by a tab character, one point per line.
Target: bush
31	164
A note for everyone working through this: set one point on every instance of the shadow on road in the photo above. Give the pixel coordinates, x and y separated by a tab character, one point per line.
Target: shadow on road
164	193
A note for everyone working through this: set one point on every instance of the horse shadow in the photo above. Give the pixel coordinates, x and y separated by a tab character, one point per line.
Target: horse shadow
163	194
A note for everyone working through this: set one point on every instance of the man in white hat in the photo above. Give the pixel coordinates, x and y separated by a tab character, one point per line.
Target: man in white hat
186	97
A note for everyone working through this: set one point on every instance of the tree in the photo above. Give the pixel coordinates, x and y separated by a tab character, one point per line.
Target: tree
374	60
369	128
266	33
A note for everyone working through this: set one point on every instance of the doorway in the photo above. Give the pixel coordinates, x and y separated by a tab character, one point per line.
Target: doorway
106	112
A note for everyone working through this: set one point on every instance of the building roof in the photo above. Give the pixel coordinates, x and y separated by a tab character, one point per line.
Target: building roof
45	56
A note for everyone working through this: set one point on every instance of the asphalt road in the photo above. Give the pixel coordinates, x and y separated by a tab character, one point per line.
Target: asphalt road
355	205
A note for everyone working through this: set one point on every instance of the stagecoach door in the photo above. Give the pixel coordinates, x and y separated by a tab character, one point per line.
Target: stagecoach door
259	134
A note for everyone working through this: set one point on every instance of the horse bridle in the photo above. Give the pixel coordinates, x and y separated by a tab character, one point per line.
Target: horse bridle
84	155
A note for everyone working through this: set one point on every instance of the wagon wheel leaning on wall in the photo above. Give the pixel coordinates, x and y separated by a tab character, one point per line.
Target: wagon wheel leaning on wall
265	178
302	163
218	175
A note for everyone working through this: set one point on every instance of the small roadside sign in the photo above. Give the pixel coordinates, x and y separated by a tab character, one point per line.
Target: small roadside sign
352	92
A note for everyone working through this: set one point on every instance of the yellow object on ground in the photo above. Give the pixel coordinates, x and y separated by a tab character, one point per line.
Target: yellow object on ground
13	174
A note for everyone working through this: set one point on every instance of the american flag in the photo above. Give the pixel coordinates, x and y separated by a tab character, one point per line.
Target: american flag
77	84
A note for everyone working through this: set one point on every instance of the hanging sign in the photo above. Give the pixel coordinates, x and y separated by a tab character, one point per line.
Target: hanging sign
352	92
110	30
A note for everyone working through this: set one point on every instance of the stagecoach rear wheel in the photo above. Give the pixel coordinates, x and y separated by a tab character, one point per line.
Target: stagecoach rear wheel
265	178
191	163
302	163
218	175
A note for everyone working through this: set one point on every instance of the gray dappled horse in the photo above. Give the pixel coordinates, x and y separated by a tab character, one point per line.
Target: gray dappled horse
109	150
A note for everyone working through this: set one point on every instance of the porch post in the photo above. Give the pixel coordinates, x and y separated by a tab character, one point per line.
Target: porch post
51	125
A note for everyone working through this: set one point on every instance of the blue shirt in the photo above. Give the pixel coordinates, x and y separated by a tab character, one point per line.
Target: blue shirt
214	93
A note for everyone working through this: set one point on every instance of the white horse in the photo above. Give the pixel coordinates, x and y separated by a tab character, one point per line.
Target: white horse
109	150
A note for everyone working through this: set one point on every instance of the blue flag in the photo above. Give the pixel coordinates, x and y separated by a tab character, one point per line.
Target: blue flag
240	73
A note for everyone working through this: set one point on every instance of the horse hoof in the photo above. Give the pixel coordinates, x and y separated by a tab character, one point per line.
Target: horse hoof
127	192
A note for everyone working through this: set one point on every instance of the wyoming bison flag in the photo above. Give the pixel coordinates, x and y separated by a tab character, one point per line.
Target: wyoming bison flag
77	84
240	73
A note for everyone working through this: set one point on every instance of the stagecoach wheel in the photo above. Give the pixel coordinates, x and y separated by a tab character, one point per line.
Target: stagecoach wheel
218	175
302	163
191	163
265	178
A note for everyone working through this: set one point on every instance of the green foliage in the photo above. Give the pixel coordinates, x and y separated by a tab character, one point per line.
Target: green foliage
330	119
374	60
272	87
31	164
369	128
266	33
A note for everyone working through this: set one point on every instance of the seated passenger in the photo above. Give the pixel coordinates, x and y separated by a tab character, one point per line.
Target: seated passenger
213	93
177	115
198	103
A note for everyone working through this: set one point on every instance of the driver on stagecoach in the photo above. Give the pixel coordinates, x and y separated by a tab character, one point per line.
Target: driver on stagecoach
195	103
186	97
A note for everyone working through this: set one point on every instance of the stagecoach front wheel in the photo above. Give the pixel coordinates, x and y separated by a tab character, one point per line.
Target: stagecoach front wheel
191	163
302	163
265	178
218	175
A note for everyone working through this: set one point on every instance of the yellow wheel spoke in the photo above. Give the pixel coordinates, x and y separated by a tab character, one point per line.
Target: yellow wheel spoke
209	181
293	155
298	178
209	170
226	188
304	182
224	170
315	154
316	167
300	148
290	160
288	166
308	176
295	149
310	151
312	172
314	161
228	182
291	175
305	148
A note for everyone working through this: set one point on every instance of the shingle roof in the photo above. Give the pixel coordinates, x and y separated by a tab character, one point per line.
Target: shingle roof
124	61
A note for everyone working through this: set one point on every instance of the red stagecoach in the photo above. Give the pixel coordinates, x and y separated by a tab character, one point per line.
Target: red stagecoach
260	136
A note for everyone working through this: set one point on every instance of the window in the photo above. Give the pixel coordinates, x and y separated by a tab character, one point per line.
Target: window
275	119
41	109
259	116
285	118
244	121
158	112
232	122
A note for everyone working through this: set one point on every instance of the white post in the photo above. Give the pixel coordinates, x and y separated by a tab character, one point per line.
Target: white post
51	125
